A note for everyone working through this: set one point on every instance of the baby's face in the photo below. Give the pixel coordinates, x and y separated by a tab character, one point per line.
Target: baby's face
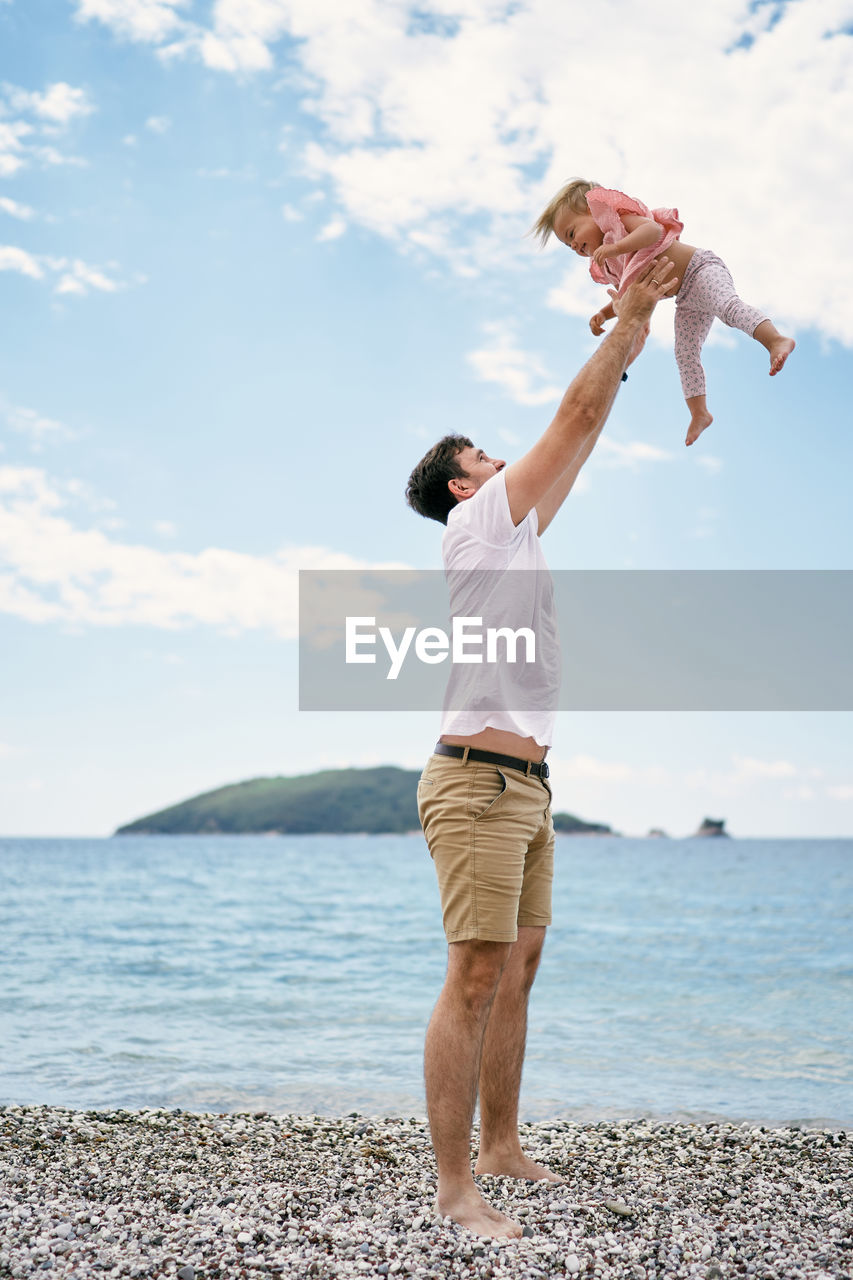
579	231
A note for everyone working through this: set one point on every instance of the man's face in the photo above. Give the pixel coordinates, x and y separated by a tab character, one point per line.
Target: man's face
579	231
479	467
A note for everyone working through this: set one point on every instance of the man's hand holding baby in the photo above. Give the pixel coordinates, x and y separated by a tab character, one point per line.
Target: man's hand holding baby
639	300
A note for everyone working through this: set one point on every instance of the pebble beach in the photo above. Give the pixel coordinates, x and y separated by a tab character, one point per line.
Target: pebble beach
197	1196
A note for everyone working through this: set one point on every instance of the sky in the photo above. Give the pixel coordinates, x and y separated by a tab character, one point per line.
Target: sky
257	255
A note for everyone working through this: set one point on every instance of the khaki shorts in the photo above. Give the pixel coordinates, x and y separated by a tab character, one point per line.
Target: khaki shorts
490	835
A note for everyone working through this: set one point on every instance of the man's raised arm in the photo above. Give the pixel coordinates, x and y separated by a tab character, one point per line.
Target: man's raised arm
549	469
548	506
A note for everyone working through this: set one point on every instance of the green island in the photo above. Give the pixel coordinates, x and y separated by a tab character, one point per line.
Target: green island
378	801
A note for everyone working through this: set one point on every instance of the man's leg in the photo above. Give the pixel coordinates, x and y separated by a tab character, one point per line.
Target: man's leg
502	1061
454	1046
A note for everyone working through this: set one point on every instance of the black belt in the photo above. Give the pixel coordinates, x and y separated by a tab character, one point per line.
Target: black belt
491	757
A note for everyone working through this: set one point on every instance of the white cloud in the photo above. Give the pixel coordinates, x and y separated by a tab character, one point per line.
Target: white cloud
521	374
242	31
165	528
576	294
333	230
721	336
16	210
290	214
581	768
158	124
12	146
50	155
35	426
59	104
431	130
841	791
50	112
512	438
588	784
81	492
55	571
246	174
79	277
802	792
15	259
748	768
628	453
150	21
746	772
70	275
588	768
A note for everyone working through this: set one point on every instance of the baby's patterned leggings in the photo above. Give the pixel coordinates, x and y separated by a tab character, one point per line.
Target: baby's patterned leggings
707	290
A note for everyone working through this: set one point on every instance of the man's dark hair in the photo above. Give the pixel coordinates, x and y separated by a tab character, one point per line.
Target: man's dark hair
427	491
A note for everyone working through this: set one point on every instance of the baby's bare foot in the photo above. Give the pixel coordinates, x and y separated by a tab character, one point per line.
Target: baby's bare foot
515	1166
474	1213
698	422
779	352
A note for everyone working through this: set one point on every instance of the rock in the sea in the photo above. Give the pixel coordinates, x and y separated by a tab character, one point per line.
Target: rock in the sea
712	827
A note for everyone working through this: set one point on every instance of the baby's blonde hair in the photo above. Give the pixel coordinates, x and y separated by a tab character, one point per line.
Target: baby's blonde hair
570	196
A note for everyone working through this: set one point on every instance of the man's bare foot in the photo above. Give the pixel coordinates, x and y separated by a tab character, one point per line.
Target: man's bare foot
515	1166
471	1211
780	349
698	422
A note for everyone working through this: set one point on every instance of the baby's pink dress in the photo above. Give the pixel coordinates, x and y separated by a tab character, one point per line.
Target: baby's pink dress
606	208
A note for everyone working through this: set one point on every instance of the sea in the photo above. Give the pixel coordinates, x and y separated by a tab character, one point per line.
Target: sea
692	980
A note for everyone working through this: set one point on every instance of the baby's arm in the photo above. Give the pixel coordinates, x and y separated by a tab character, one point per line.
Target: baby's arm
642	232
598	320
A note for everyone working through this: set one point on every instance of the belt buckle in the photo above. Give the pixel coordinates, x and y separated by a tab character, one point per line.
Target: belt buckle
544	771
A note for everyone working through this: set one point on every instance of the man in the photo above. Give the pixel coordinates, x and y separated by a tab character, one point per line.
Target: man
483	799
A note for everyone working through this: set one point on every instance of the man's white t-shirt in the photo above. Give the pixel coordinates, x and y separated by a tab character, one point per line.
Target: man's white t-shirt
496	571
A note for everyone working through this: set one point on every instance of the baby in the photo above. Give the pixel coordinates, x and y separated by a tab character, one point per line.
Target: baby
621	236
